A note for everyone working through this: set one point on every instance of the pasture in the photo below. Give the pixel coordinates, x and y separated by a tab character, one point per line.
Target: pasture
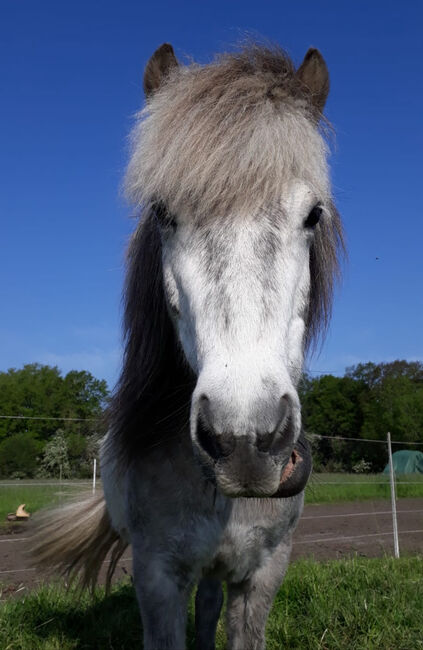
357	603
322	488
342	487
36	494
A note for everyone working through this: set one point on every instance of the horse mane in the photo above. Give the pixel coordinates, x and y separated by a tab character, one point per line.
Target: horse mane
326	253
214	140
156	382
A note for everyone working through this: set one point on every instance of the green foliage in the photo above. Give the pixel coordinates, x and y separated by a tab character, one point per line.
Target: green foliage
332	406
362	467
55	462
370	400
41	391
37	391
19	455
81	452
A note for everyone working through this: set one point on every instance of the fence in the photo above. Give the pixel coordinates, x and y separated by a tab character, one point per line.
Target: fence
376	486
339	527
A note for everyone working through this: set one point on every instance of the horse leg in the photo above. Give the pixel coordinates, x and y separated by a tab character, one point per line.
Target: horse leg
163	594
208	603
249	602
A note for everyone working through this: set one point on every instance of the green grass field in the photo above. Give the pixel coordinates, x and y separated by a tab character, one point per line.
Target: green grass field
358	604
322	488
36	495
338	488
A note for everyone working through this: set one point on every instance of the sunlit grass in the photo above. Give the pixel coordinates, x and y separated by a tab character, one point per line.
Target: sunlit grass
337	488
360	603
36	494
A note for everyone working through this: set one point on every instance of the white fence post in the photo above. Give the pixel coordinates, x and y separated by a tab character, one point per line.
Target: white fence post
94	474
393	499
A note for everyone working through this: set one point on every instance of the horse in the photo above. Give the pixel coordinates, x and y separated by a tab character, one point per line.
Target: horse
230	277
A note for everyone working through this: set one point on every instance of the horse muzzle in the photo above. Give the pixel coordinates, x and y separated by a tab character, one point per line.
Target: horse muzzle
251	466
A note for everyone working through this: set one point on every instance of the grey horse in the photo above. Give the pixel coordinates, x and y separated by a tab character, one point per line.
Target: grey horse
230	277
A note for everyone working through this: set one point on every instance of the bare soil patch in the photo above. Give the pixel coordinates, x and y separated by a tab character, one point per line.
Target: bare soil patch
325	532
328	532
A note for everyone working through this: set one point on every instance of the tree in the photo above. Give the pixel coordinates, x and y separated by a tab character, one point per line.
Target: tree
331	407
39	394
41	391
370	400
19	455
375	374
55	460
395	404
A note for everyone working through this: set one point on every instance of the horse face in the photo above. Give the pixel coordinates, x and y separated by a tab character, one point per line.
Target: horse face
238	291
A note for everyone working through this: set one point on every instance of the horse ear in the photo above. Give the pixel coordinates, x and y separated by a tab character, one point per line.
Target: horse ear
158	67
313	73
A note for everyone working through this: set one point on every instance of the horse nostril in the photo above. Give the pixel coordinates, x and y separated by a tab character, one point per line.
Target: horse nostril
215	445
208	441
264	441
226	441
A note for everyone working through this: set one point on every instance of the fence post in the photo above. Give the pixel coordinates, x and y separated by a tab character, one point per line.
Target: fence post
94	474
393	499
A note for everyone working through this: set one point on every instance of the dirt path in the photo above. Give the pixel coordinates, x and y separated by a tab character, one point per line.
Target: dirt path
334	531
324	532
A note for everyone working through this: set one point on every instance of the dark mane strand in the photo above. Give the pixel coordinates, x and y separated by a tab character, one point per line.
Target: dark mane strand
326	253
155	380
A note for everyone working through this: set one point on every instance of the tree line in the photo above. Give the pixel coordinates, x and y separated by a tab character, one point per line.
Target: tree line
367	402
47	447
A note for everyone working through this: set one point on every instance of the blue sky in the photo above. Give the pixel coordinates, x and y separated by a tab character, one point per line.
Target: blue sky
71	78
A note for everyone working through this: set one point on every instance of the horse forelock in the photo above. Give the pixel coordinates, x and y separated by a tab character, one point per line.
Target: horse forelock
222	138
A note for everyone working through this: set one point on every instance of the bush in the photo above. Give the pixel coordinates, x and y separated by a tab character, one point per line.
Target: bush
362	467
56	460
19	455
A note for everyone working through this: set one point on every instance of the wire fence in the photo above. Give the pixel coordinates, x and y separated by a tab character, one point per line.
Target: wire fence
341	526
365	488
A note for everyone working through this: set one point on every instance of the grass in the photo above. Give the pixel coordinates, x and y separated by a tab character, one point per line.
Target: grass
322	488
338	488
36	495
359	604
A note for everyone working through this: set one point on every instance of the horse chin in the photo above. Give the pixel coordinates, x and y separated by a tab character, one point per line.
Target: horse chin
233	488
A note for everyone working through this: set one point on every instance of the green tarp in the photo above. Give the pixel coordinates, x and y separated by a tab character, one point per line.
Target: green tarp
406	462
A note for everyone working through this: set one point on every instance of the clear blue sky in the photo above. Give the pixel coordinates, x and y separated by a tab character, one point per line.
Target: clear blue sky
71	79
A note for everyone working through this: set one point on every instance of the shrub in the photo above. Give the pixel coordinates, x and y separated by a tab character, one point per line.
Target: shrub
19	455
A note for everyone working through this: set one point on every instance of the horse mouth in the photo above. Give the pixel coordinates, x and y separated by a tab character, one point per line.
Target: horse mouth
294	459
296	472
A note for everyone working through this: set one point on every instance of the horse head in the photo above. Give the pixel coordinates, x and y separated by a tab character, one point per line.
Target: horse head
229	163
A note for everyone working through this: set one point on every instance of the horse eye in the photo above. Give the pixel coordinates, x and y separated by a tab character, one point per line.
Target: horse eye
162	215
313	217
